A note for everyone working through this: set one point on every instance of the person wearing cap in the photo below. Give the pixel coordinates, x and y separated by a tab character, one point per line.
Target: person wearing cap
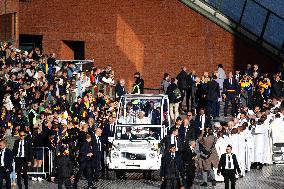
228	166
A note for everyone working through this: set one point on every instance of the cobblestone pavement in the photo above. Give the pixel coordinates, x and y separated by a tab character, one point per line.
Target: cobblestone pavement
271	177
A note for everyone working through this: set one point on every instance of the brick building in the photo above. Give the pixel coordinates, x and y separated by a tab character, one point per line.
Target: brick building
150	36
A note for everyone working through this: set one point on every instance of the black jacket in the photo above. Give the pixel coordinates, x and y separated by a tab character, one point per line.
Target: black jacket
191	133
119	90
28	151
167	141
187	158
8	160
276	89
63	167
222	164
213	91
228	86
170	93
207	123
182	80
84	150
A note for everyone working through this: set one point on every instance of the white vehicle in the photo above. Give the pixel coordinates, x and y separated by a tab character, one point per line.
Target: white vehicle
142	122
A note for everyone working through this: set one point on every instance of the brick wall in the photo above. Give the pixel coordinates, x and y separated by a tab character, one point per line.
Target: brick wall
6	27
149	36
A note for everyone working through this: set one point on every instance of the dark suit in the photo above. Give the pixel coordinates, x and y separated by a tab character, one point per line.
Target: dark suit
64	168
22	162
228	174
85	162
155	116
230	89
119	90
182	83
212	98
98	152
7	168
190	83
179	145
190	132
108	131
198	124
276	89
172	170
189	164
196	96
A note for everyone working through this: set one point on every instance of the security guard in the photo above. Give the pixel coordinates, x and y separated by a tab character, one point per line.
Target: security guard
172	169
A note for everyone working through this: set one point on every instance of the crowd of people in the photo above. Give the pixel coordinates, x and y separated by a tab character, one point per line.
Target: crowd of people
248	135
47	105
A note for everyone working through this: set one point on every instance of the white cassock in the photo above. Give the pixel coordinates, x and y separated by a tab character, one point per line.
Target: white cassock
249	148
220	146
144	120
259	145
277	127
234	141
268	142
241	152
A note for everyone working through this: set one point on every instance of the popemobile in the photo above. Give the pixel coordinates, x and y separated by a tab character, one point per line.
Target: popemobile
142	122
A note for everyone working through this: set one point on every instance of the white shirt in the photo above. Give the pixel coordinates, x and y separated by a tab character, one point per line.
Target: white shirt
144	120
174	141
202	120
229	156
2	157
99	143
21	144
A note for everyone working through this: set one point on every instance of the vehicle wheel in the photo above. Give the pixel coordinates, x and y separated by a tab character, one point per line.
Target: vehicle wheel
120	174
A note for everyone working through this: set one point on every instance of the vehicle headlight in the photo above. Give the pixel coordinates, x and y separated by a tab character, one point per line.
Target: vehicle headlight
151	155
115	155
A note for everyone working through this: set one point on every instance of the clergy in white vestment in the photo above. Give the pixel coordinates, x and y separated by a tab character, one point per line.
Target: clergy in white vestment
241	150
277	127
260	136
249	146
268	140
220	146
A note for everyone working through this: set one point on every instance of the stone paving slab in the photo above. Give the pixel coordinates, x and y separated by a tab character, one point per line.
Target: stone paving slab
271	177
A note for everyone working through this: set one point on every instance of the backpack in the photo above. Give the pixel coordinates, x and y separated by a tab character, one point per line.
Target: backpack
177	94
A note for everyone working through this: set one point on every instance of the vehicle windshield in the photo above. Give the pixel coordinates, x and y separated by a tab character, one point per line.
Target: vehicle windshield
135	111
138	133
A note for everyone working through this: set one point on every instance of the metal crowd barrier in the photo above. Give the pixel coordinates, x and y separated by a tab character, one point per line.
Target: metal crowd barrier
47	162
